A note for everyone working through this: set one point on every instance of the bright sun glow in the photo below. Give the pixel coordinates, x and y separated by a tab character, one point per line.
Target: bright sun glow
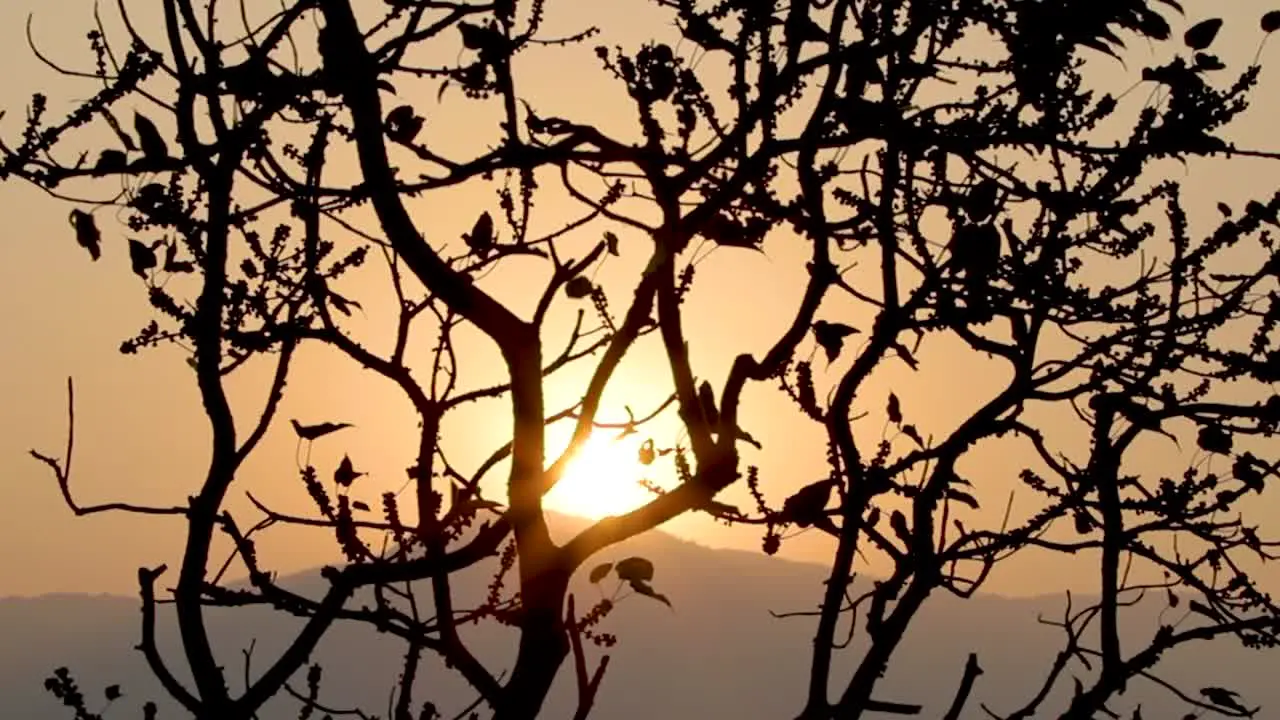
602	480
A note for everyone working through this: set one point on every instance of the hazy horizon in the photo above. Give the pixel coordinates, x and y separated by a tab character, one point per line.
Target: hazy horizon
140	434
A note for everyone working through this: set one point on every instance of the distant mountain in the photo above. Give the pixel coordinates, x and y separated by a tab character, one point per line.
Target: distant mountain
718	654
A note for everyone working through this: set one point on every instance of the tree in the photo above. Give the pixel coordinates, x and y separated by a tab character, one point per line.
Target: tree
958	148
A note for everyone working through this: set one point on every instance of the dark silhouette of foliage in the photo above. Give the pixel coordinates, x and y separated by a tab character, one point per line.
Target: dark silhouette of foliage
956	146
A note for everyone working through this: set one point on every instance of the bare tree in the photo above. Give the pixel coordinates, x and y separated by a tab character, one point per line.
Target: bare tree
957	147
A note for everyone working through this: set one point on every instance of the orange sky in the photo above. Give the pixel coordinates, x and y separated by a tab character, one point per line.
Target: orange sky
141	434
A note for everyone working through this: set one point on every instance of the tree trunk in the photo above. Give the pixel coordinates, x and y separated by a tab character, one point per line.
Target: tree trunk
544	645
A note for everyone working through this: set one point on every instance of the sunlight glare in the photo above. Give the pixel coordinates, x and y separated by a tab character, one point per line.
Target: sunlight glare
603	480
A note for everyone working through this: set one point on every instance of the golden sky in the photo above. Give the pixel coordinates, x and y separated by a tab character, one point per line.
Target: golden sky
141	435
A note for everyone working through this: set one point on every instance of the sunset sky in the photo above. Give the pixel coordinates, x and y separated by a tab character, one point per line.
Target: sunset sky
141	435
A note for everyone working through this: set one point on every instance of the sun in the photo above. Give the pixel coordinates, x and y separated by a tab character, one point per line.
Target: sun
604	479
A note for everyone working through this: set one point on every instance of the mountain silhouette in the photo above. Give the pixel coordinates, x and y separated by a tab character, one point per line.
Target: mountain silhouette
718	653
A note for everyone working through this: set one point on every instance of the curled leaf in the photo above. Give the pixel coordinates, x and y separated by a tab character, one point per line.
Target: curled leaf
647	453
403	125
87	234
346	472
643	588
831	337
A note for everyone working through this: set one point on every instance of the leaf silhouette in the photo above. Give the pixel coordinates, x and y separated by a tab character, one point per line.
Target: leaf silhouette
643	588
141	258
634	569
898	522
873	518
1083	523
911	432
403	125
171	262
87	232
360	505
149	139
1202	34
1223	697
112	692
1246	470
111	161
1215	440
1207	62
480	239
311	432
830	337
963	497
894	410
578	288
1270	21
488	41
809	504
599	572
1202	609
611	243
346	472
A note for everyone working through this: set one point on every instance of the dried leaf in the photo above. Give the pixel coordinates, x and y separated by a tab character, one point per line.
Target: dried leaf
642	587
647	453
894	410
830	337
